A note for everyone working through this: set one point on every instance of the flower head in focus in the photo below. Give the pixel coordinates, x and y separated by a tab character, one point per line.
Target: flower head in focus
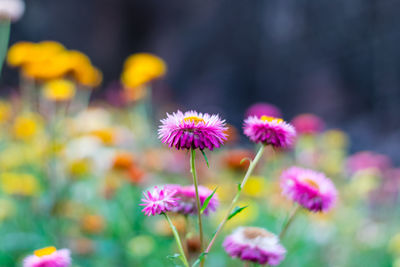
11	9
192	130
159	200
269	131
256	245
48	256
59	90
187	199
307	124
310	189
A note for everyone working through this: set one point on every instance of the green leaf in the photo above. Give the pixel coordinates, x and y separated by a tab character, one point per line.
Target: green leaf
205	157
207	201
236	211
239	187
199	259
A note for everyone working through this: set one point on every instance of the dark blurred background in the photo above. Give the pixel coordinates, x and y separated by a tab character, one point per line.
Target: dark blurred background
338	59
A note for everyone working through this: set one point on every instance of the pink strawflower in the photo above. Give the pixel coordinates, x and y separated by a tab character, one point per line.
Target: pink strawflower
308	124
368	160
269	131
48	257
263	109
256	245
192	130
159	200
187	203
311	189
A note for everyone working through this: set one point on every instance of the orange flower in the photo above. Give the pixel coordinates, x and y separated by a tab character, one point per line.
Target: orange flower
123	160
93	224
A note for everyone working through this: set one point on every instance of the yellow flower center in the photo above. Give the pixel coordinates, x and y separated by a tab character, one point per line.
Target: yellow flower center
194	119
311	183
253	232
45	251
270	119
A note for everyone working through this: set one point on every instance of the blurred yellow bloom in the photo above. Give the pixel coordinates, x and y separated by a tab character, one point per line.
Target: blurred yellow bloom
59	90
142	68
335	139
26	127
5	111
394	244
363	182
255	186
19	184
19	53
79	167
107	135
246	216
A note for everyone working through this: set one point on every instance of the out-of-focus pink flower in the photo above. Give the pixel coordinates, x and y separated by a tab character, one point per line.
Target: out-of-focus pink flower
269	131
263	109
308	124
159	200
187	199
256	245
366	160
191	130
311	189
48	257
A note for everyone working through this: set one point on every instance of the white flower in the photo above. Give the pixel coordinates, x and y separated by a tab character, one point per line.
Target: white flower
11	9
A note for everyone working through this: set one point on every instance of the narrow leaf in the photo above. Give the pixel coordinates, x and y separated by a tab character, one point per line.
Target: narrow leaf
207	201
205	157
236	211
244	159
199	259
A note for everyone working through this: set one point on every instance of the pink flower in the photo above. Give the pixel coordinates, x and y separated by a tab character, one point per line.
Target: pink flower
269	131
256	245
366	160
48	257
311	189
263	109
187	204
307	124
157	201
192	130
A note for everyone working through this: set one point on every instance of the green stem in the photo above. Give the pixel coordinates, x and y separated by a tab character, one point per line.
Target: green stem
289	221
252	165
178	241
5	26
196	186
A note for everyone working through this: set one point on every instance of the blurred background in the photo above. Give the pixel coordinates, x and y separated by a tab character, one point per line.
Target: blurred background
337	59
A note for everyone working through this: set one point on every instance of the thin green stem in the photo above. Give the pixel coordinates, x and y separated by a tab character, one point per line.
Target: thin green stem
196	186
178	241
252	165
289	221
5	26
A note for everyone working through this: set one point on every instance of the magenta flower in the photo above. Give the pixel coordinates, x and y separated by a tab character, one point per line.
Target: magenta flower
263	109
308	124
191	130
269	131
48	257
311	189
256	245
157	201
187	199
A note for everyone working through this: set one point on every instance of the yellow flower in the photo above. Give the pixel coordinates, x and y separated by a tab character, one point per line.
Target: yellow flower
335	139
79	167
142	68
5	111
107	135
59	90
26	127
83	71
394	244
18	53
23	184
255	186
